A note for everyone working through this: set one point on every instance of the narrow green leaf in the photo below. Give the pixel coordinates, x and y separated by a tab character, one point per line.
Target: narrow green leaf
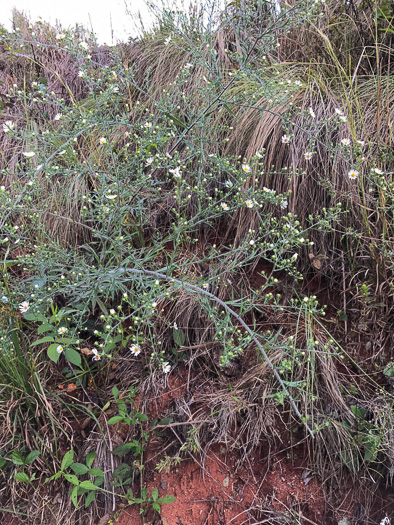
68	459
74	497
22	476
89	498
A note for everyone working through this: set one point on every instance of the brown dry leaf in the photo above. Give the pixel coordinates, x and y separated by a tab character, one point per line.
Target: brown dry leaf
86	351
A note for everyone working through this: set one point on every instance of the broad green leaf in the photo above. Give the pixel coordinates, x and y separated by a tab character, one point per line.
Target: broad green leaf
71	478
89	498
90	457
52	352
73	356
179	337
45	328
46	339
124	449
68	459
166	499
35	317
32	456
22	476
155	493
115	419
115	392
88	485
156	507
96	472
79	468
17	458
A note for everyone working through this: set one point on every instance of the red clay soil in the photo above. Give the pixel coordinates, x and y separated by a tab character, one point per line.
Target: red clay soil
217	494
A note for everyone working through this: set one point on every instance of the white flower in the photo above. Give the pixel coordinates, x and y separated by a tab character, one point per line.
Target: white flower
4	299
308	155
284	204
154	305
224	206
188	65
112	311
286	139
62	330
114	75
385	521
59	349
2	188
342	118
353	174
205	286
83	45
246	168
338	111
176	172
62	152
148	124
228	184
175	326
29	154
148	162
311	113
346	142
267	190
111	197
298	82
166	367
8	126
361	142
294	257
23	307
102	140
81	73
58	116
249	204
378	171
252	242
96	356
60	36
167	40
135	350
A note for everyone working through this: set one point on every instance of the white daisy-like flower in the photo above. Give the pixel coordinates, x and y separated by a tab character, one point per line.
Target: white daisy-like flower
83	45
176	173
23	307
228	184
8	126
297	83
81	73
353	174
148	162
135	350
166	367
286	139
346	142
60	36
224	206
294	257
311	112
361	142
252	242
188	65
148	125
308	155
249	204
385	521
167	40
205	286
62	330
102	140
338	111
343	118
284	204
59	349
175	326
28	154
246	168
112	311
96	356
58	116
378	171
111	197
267	190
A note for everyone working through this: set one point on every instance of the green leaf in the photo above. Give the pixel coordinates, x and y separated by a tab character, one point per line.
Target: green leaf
35	317
167	499
2	462
53	354
73	356
90	457
32	456
157	507
45	328
46	339
74	497
122	450
102	306
17	458
68	459
96	472
179	337
22	476
115	392
115	419
89	498
79	468
88	485
142	417
155	493
71	478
